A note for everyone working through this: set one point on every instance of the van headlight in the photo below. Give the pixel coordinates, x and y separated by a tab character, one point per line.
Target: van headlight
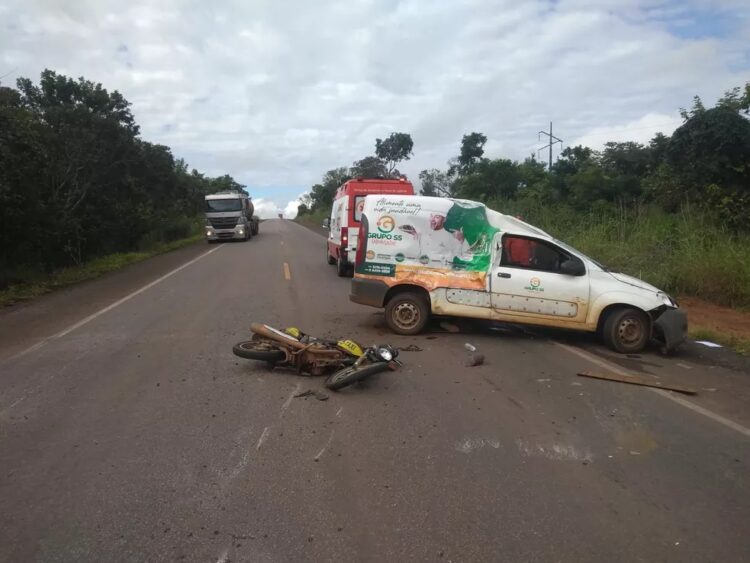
667	300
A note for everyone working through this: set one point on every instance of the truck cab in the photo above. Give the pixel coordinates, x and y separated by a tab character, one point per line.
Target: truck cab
229	216
343	225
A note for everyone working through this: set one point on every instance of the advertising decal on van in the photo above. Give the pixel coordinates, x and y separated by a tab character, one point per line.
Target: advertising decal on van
457	239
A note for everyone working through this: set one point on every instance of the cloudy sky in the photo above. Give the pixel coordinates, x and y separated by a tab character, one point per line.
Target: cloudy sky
276	92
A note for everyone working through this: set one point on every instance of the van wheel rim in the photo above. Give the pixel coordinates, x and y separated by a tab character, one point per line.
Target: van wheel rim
406	315
629	331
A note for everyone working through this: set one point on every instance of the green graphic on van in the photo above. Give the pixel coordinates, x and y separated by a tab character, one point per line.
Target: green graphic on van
424	259
467	221
386	224
400	257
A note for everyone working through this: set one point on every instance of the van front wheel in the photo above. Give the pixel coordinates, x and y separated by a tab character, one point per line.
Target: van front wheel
626	330
407	313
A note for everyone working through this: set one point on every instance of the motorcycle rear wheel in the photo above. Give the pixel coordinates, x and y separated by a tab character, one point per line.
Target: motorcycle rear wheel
260	350
352	374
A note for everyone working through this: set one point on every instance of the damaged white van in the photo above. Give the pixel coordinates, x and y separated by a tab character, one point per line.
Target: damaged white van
430	255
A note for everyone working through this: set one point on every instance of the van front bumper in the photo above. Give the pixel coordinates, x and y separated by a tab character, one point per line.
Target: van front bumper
368	292
670	327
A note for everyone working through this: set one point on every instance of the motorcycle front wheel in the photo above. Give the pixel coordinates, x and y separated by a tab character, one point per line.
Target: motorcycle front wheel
260	350
352	374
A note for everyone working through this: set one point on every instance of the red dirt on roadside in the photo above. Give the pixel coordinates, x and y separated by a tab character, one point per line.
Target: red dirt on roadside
715	317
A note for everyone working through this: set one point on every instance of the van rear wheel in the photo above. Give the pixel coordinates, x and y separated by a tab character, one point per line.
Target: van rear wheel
407	313
342	268
626	330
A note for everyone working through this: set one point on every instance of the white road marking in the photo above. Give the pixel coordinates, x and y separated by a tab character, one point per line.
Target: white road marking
328	443
290	397
263	437
287	273
111	306
666	394
685	366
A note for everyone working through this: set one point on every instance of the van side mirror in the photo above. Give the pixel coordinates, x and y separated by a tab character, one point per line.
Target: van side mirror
326	223
572	267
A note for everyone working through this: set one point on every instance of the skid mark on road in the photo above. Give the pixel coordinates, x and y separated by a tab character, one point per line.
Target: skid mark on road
322	451
290	398
666	394
263	437
108	308
554	451
468	445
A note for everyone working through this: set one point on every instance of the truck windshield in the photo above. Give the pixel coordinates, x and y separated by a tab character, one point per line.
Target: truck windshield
223	204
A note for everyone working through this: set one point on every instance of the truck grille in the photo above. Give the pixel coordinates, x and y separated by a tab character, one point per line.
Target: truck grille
223	222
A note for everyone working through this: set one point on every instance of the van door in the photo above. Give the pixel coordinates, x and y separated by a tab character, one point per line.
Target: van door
534	280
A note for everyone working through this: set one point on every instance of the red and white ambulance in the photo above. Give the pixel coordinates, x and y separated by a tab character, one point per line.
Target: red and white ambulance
347	208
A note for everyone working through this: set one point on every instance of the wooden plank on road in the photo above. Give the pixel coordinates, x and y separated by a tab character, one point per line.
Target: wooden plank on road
638	380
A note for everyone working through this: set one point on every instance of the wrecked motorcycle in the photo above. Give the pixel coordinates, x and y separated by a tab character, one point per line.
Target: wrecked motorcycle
316	356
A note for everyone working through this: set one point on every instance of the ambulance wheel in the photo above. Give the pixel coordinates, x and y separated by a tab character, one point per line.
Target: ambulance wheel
330	259
626	330
407	313
342	268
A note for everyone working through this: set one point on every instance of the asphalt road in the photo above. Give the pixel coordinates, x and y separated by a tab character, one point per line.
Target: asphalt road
129	432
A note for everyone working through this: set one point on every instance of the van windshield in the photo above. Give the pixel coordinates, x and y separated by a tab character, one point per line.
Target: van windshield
581	254
223	204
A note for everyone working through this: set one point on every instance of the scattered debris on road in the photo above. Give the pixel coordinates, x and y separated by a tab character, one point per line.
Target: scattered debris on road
709	343
312	393
475	358
639	380
410	348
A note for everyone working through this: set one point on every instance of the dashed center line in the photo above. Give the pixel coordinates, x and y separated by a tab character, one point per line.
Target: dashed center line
287	273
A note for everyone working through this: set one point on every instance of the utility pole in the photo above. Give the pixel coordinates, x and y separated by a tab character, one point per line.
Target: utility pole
552	141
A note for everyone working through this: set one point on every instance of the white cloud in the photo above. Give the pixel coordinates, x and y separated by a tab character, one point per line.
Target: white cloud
276	93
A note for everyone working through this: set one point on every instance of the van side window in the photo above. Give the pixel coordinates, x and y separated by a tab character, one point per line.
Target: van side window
531	254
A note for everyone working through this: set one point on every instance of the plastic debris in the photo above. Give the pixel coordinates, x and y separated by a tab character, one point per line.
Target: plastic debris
709	343
470	347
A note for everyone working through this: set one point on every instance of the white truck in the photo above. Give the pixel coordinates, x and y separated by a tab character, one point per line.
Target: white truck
420	256
229	216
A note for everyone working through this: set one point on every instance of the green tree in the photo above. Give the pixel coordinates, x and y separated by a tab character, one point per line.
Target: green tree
472	150
490	179
395	148
434	183
369	167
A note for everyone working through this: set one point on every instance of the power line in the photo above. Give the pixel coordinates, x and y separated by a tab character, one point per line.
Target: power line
552	141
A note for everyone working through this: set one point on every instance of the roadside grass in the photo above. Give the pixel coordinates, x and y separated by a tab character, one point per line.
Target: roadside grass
89	270
737	343
685	253
315	218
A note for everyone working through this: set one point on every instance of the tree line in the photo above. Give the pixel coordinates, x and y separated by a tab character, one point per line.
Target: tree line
704	163
77	181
